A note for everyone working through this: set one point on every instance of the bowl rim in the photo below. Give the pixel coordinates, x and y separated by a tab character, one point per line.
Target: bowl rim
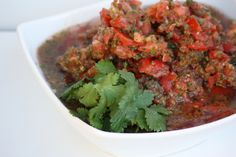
45	86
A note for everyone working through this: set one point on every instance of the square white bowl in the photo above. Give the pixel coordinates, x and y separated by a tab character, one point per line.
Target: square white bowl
33	34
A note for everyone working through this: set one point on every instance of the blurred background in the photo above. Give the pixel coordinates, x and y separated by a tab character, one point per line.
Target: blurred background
13	12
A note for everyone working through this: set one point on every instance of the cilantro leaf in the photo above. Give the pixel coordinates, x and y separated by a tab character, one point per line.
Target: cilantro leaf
125	110
126	103
155	120
113	101
141	121
144	99
130	103
105	67
160	109
96	113
109	79
128	77
81	113
106	122
119	122
88	95
113	94
69	93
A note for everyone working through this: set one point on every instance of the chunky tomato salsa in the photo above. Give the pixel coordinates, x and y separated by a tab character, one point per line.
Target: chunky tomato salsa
168	66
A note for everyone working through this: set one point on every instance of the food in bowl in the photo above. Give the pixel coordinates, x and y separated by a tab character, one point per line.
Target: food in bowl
168	66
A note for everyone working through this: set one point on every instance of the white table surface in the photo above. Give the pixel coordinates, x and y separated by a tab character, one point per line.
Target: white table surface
31	127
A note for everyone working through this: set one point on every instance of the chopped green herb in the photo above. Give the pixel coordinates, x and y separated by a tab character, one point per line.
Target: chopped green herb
81	113
88	95
171	45
105	67
112	101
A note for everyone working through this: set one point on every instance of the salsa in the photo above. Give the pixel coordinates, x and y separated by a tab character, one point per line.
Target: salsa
178	58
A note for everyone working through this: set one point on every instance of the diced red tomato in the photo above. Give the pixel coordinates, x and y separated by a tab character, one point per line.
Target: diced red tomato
144	64
157	11
228	47
167	80
181	10
146	27
125	41
98	49
201	36
154	68
193	24
166	58
198	46
228	70
212	54
98	46
123	52
219	56
105	17
107	37
176	37
119	22
214	28
224	57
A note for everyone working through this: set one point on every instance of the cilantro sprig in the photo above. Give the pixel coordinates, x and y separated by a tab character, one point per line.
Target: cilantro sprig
113	101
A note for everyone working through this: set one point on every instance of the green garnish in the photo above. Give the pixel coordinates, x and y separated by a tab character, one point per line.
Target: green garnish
113	101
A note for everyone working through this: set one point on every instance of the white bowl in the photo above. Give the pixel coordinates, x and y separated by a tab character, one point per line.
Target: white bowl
33	34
